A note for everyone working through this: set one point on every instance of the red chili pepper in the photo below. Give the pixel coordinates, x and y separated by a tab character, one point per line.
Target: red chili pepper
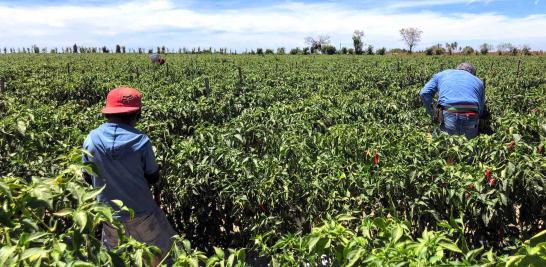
468	195
493	182
511	145
376	159
471	187
540	149
488	175
535	110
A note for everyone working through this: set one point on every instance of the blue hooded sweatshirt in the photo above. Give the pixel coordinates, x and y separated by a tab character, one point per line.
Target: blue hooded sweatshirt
123	155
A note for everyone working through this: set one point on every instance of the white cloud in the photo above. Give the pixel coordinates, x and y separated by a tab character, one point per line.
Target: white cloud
427	3
149	23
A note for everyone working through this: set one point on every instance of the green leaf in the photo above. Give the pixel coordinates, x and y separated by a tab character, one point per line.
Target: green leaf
63	212
451	247
138	258
398	233
219	252
93	193
6	253
82	264
4	189
33	254
21	127
80	217
353	256
538	238
345	218
313	242
117	202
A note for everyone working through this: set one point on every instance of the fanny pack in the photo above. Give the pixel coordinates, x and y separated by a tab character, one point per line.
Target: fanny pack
463	108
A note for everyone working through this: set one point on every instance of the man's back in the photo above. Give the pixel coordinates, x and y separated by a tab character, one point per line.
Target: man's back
123	156
457	86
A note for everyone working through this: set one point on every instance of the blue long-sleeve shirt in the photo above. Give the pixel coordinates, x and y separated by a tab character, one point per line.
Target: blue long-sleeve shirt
455	87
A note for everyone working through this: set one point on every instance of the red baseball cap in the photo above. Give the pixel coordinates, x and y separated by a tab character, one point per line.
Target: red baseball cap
122	100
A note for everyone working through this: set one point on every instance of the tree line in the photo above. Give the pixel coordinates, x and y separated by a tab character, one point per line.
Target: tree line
314	45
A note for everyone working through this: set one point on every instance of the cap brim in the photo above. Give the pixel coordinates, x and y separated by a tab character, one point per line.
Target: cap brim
119	110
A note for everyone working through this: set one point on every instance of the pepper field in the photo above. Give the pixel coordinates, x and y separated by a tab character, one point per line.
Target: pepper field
291	160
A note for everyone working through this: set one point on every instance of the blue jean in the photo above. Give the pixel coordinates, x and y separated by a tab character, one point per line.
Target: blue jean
460	124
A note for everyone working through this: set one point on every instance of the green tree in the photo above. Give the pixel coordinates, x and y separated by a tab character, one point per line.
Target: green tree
357	41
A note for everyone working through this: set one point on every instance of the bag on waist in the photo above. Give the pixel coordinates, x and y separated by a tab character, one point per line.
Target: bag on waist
462	108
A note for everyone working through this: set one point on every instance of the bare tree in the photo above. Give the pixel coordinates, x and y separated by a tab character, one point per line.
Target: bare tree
316	44
505	47
357	41
526	50
411	36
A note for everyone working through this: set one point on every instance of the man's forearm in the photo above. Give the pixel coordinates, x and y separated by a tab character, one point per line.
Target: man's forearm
153	178
427	101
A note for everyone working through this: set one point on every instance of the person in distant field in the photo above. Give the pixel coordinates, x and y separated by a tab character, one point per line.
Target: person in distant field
127	168
156	59
461	99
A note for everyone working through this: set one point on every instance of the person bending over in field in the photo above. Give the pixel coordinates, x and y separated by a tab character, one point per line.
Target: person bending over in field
461	100
126	167
156	59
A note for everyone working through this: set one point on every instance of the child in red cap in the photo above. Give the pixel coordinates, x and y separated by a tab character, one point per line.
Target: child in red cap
126	167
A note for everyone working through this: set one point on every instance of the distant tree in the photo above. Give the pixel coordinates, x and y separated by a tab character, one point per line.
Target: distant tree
306	51
269	51
5	51
118	49
525	50
429	51
123	49
35	49
357	41
280	51
468	50
514	51
451	47
163	50
295	51
351	51
439	50
381	51
411	36
159	50
315	44
369	50
259	51
504	48
485	48
74	48
343	51
435	50
105	49
328	49
397	50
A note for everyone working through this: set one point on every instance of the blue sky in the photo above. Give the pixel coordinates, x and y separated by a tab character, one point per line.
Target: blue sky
236	24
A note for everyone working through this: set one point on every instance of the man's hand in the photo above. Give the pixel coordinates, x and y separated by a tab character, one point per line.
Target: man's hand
156	190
